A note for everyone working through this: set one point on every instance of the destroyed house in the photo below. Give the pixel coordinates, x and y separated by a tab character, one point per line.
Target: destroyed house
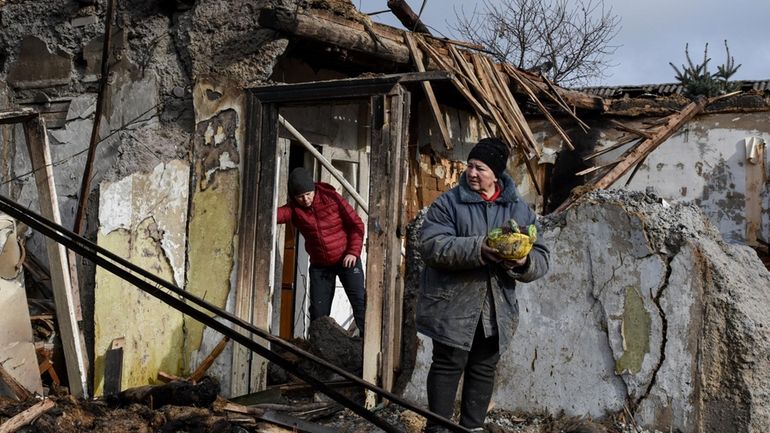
172	153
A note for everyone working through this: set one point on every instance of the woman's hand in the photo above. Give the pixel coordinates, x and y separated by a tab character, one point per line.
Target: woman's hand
349	261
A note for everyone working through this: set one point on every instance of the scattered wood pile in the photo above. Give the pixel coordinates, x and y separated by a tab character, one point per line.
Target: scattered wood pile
175	406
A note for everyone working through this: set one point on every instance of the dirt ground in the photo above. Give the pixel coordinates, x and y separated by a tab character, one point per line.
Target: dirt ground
70	415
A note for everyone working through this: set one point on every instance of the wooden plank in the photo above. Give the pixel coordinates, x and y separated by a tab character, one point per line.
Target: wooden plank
756	179
113	367
396	123
465	66
428	89
17	116
209	360
401	223
593	169
282	173
247	226
544	110
566	97
552	94
645	147
505	128
47	367
617	145
634	156
264	251
376	245
66	304
512	107
625	128
481	111
26	417
18	390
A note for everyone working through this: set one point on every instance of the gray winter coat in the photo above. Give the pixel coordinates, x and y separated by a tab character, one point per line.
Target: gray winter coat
455	280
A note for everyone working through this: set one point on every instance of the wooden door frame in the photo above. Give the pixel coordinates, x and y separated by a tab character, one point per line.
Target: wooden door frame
389	105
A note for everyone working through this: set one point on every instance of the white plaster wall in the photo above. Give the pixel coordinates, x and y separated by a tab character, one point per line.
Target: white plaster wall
705	163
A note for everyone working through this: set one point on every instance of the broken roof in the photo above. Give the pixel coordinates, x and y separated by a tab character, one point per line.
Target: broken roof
664	89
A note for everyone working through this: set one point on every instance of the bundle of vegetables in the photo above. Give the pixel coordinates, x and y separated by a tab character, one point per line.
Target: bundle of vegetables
510	242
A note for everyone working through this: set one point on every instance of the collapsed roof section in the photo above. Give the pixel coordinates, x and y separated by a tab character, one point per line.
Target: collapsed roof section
489	90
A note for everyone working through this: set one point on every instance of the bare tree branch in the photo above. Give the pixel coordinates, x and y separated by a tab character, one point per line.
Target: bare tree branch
568	42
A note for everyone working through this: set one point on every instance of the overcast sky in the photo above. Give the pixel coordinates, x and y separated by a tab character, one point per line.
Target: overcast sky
652	33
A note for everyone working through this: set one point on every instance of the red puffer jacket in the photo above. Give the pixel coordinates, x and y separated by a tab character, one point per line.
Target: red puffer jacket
330	226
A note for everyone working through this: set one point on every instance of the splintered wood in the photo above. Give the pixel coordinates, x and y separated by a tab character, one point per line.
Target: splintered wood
486	87
648	141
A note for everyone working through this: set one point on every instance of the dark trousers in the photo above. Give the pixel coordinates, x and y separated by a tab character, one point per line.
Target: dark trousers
322	282
449	364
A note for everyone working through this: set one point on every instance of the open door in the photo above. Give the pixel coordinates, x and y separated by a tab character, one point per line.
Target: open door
385	102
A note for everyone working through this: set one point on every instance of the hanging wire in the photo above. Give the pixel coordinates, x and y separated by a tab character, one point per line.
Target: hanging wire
419	14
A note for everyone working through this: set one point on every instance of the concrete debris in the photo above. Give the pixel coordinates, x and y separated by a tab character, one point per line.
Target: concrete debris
645	307
82	106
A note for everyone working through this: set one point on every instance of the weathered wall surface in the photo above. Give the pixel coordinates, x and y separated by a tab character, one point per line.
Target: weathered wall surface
142	219
50	60
218	147
708	162
645	306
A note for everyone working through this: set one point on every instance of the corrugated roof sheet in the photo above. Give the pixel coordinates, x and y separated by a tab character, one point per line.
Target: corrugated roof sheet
659	89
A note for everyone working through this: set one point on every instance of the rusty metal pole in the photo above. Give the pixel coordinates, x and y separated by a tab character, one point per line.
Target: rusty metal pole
85	186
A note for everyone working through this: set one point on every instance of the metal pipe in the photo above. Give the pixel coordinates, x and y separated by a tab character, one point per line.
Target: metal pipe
325	162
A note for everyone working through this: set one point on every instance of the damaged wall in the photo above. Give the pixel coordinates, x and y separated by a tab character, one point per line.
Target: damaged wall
645	306
218	147
143	219
50	58
708	163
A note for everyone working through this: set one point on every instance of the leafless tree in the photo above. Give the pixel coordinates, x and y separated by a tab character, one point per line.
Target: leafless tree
568	42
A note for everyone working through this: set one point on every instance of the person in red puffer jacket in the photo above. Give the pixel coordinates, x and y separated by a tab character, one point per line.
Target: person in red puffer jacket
334	236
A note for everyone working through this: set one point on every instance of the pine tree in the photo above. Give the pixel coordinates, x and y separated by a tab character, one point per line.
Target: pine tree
697	80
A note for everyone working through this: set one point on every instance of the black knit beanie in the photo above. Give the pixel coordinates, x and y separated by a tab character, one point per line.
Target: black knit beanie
492	152
300	182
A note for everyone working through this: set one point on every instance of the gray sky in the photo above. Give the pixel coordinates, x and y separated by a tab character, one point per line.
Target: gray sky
652	33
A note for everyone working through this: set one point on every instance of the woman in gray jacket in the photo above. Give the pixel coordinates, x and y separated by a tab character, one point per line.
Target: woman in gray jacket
467	303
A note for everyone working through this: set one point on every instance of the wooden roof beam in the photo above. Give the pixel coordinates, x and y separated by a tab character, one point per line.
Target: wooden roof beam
391	46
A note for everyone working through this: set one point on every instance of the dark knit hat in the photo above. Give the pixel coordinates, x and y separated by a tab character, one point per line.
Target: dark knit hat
300	182
492	152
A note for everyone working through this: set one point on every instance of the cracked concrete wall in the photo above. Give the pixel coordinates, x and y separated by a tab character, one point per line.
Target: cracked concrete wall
645	306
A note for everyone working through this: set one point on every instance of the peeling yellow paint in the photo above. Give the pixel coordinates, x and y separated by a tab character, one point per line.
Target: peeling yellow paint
635	330
152	330
212	229
143	219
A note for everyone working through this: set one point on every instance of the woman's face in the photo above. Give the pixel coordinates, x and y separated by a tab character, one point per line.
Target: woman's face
306	199
480	177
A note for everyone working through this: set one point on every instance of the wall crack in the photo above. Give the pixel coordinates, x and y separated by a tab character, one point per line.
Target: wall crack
664	333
